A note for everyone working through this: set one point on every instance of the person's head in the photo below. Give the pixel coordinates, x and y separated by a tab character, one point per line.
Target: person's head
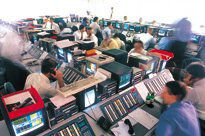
173	91
193	73
149	30
82	28
125	18
85	20
109	24
138	44
89	30
116	35
95	19
47	67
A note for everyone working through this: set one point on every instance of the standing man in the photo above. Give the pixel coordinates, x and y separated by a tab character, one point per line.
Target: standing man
95	26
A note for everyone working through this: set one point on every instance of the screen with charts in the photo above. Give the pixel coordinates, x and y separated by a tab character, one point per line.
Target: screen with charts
195	38
60	53
131	28
117	25
69	57
161	33
28	123
89	98
91	68
124	80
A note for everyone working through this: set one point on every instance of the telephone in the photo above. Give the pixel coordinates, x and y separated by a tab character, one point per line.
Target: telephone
104	123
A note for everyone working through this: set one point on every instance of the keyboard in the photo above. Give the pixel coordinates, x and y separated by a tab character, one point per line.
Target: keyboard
79	86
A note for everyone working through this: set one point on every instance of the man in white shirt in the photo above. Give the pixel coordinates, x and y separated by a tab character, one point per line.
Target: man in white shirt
80	34
41	81
95	25
147	39
107	32
91	36
50	24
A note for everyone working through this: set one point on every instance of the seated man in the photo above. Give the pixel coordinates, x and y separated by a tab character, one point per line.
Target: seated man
91	36
50	24
147	39
41	81
180	119
120	43
80	34
138	48
195	77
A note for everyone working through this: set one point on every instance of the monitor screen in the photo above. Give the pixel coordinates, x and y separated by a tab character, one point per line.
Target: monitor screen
117	26
195	38
105	23
100	22
69	57
150	69
126	26
91	21
91	68
124	80
131	28
89	97
137	29
28	123
60	53
161	32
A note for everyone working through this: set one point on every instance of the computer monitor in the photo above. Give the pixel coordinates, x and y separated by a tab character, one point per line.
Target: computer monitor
162	32
118	25
101	22
69	57
61	54
195	38
91	21
120	73
29	123
124	80
131	27
105	23
86	98
137	29
86	45
126	26
113	24
91	68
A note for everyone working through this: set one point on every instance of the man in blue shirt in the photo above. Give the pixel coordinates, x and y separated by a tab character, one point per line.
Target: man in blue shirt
180	119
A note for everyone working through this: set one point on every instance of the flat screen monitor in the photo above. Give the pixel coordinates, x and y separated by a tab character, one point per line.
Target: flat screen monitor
91	68
195	38
126	26
124	80
132	28
151	68
101	22
89	97
28	123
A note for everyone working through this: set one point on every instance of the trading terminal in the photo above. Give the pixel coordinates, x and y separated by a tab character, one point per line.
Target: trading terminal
106	91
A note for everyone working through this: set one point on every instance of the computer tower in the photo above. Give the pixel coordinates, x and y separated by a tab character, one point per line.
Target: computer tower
121	73
119	55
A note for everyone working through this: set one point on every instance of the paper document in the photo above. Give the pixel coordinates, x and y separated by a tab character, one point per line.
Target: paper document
121	130
141	88
144	118
18	98
59	100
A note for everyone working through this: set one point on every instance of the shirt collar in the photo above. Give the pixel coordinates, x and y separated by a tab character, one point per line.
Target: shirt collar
174	105
45	78
197	83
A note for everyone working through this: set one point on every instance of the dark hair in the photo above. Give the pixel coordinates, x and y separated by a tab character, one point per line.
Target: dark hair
138	41
109	23
196	70
116	35
95	19
177	88
81	27
89	28
48	65
85	19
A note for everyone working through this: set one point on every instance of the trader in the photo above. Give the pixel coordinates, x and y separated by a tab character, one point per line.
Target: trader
41	81
180	119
